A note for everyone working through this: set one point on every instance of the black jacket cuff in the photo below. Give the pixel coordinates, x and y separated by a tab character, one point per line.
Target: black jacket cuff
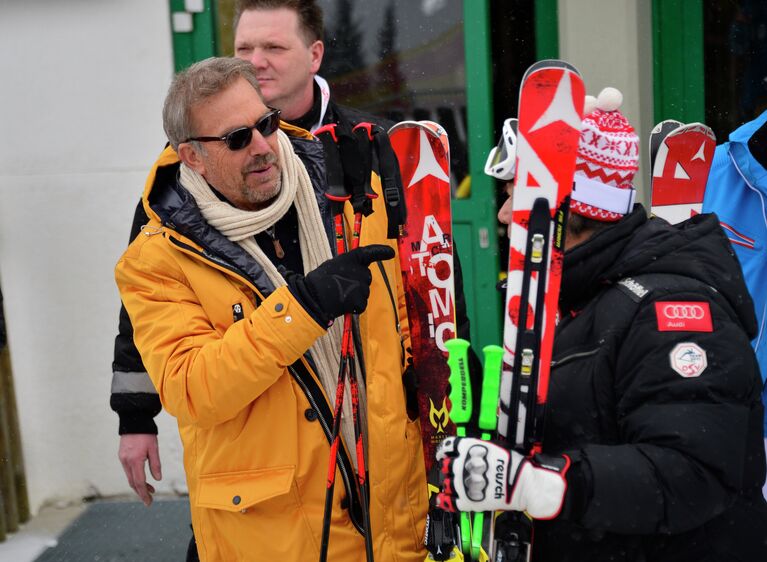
132	423
579	487
300	291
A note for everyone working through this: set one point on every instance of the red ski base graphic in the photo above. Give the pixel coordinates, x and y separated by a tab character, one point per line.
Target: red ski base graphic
551	106
680	171
550	116
426	259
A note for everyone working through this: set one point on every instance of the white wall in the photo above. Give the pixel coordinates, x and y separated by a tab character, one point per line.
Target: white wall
610	43
81	91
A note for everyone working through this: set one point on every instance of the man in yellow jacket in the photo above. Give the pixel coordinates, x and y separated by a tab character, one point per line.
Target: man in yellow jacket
232	289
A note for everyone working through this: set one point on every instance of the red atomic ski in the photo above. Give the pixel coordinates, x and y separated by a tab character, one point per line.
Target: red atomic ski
551	108
550	115
680	172
426	259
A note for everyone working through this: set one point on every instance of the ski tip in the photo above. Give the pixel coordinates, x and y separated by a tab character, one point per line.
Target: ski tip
657	137
434	126
549	63
701	128
404	125
667	125
430	127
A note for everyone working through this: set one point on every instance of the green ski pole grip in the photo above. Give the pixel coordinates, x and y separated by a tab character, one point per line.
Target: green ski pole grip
491	384
488	420
460	410
460	383
476	535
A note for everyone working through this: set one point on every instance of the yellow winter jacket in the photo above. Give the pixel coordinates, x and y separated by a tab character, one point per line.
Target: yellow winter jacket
252	414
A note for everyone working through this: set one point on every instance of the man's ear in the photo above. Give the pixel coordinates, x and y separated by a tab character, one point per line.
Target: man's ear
190	156
317	50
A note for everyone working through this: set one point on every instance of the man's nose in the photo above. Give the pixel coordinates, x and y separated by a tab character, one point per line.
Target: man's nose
258	59
258	144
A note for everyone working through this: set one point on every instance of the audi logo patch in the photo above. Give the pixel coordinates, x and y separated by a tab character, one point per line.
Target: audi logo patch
681	316
688	359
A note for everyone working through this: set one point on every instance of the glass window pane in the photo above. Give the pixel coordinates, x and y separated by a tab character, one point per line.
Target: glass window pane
400	59
735	57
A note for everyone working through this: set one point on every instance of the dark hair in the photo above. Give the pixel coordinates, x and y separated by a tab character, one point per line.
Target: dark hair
578	224
308	11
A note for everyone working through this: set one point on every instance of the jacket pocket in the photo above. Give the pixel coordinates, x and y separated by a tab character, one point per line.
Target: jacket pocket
738	237
240	514
235	491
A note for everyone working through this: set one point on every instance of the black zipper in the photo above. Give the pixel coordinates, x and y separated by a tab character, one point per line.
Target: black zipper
573	357
394	307
324	414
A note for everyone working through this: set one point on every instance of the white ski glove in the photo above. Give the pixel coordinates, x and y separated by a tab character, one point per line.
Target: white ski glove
481	476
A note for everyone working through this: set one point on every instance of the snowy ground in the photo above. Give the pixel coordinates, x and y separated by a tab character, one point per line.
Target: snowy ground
39	534
108	530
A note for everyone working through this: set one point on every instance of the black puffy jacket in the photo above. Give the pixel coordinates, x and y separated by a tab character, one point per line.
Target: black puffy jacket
655	393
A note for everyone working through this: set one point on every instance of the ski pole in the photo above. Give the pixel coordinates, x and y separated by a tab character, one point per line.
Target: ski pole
488	421
362	204
349	180
337	194
460	410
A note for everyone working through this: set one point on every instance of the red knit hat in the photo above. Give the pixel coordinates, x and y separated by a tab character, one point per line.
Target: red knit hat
608	158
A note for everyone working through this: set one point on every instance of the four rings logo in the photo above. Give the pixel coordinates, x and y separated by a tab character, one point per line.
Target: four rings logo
684	316
684	311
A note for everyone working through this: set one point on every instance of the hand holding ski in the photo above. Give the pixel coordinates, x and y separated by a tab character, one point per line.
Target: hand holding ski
482	476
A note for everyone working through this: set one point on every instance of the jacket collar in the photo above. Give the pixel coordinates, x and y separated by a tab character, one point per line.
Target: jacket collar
751	170
585	265
696	249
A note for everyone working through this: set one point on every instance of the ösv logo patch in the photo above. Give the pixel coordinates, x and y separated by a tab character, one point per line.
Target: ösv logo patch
688	359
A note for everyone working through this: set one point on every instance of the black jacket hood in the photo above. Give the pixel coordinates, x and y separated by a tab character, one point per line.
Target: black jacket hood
696	248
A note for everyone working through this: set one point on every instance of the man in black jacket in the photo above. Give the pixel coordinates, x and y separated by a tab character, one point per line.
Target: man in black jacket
283	41
653	439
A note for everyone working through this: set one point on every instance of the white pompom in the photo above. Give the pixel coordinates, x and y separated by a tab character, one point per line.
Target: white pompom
589	104
609	99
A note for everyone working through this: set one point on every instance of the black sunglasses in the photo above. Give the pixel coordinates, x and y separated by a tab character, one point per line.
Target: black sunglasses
240	138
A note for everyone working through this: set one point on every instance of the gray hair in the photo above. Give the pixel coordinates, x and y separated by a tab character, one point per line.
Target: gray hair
196	84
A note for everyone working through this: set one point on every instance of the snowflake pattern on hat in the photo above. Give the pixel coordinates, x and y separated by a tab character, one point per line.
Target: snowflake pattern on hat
608	151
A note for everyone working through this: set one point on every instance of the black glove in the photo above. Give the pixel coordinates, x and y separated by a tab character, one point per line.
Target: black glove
339	285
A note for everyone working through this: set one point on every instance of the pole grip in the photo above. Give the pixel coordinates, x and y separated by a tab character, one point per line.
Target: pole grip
460	382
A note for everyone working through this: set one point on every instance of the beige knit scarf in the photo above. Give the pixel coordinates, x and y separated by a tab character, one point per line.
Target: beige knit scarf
241	227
